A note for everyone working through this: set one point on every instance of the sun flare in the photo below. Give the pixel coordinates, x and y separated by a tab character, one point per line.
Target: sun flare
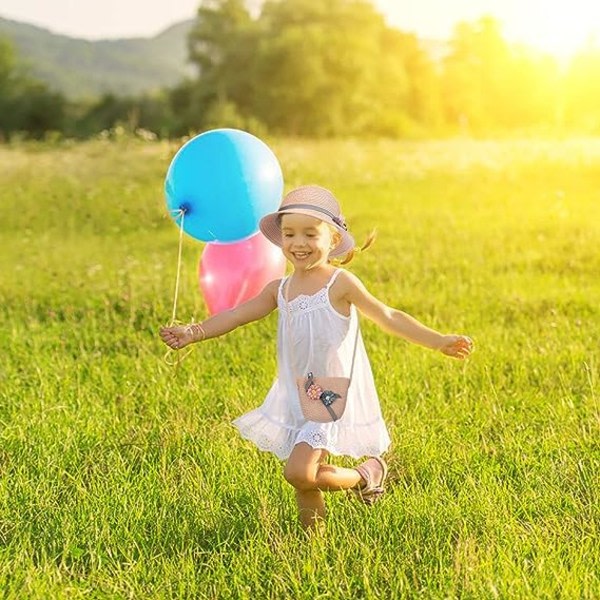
558	27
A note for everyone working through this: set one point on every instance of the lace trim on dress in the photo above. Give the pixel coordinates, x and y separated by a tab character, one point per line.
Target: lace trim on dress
280	439
304	303
307	302
317	439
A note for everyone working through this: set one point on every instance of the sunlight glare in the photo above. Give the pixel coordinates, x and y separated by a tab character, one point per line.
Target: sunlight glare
559	27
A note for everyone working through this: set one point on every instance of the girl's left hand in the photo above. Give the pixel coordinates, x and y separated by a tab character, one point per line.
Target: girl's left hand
456	346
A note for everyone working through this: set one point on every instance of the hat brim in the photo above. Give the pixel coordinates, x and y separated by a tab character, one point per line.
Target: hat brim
269	226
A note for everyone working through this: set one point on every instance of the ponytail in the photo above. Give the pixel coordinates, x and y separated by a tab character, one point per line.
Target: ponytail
352	253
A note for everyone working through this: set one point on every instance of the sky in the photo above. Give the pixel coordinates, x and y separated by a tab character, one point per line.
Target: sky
557	26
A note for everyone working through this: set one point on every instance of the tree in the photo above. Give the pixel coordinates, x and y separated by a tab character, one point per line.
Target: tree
407	86
7	88
307	67
38	110
473	71
582	90
222	45
491	85
316	65
26	104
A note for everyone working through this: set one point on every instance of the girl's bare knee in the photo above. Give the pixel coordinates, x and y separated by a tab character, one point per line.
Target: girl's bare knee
299	477
302	466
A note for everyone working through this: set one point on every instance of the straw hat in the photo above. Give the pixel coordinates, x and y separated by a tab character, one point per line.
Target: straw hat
313	201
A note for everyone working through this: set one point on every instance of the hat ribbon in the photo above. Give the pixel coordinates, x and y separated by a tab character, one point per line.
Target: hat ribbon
337	220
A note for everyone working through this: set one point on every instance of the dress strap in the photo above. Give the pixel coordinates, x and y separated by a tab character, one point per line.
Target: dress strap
333	277
282	283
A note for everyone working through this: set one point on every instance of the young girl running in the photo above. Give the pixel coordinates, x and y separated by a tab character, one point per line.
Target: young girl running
319	336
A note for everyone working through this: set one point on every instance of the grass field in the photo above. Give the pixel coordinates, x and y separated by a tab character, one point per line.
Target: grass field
123	478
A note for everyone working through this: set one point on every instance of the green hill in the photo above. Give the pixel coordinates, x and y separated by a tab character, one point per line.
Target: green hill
81	68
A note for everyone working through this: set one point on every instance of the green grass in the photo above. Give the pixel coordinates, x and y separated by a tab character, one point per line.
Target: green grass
121	477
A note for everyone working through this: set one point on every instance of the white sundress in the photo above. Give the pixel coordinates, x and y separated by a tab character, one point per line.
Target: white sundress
323	343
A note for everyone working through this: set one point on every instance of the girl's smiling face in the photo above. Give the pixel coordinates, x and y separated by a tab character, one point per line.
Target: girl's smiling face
306	241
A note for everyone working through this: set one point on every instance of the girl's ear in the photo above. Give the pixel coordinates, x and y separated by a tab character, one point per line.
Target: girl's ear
335	238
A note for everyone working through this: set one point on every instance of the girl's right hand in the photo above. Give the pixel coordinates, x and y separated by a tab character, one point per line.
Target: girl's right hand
177	336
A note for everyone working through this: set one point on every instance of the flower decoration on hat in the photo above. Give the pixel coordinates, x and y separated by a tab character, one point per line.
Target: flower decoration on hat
340	223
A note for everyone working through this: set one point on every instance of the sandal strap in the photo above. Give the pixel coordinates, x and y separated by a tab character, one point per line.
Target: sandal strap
364	473
371	491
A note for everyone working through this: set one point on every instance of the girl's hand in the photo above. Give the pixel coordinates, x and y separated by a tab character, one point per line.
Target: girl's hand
456	346
177	336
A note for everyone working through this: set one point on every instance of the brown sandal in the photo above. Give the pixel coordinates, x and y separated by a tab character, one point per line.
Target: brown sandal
374	471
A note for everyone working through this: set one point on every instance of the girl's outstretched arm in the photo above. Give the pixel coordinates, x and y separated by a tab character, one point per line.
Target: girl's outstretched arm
399	323
179	336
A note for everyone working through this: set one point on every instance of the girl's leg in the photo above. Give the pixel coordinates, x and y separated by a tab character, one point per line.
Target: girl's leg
306	471
301	471
331	478
311	508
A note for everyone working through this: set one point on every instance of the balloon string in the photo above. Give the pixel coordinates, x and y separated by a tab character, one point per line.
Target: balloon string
180	212
179	357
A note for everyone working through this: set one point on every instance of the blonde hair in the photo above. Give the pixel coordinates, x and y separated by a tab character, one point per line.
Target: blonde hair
349	256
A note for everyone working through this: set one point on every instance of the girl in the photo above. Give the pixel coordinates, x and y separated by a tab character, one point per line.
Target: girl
318	333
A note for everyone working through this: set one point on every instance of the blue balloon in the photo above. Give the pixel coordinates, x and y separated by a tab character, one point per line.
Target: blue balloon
225	181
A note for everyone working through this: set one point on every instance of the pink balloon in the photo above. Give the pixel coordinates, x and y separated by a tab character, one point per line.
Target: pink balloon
233	273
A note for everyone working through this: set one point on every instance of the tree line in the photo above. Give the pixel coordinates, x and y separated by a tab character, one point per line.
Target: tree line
314	68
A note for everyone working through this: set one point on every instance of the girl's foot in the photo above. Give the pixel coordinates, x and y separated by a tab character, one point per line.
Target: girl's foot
373	472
